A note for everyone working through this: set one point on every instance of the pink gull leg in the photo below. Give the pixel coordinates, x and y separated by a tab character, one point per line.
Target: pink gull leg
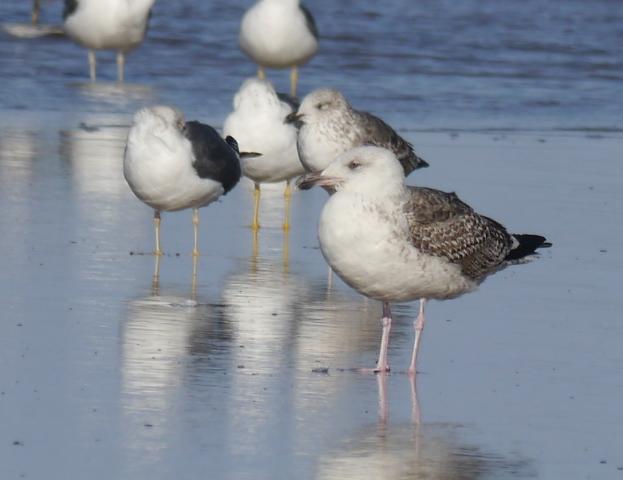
383	365
381	380
416	415
419	328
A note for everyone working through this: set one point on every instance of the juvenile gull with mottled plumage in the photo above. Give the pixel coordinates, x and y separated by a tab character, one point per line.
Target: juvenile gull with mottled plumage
397	243
329	126
171	164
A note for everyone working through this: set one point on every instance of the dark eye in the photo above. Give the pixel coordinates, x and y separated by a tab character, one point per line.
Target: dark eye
354	164
322	106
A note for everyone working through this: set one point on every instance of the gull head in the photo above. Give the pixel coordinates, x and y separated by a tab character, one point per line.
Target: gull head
366	170
159	118
322	105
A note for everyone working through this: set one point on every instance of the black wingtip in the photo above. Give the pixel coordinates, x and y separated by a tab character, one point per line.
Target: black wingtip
412	162
421	163
528	244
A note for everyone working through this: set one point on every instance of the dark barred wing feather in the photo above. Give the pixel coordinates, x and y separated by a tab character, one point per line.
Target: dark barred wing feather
440	224
378	133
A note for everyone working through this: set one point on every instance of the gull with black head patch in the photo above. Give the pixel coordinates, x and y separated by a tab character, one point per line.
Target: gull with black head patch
107	25
398	243
329	126
279	34
171	164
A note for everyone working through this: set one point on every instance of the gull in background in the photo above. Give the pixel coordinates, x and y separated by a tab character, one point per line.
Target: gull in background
279	34
107	25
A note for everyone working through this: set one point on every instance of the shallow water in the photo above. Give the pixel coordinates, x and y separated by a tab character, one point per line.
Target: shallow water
429	64
250	376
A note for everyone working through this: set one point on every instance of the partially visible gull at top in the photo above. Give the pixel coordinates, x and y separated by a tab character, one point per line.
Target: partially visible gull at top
398	243
33	29
107	25
267	142
279	34
329	126
171	164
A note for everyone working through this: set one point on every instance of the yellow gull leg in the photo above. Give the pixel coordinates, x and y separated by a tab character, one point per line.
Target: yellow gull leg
294	79
196	231
255	225
288	202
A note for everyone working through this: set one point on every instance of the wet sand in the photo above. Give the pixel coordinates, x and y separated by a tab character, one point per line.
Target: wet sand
104	376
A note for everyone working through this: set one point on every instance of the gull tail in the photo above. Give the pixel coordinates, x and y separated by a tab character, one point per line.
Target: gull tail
525	245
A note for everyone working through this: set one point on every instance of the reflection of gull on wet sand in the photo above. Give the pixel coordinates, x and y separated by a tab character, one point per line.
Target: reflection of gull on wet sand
155	342
154	345
428	452
416	451
94	150
262	303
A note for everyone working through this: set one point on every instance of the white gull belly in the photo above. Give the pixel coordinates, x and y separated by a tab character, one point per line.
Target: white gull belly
366	243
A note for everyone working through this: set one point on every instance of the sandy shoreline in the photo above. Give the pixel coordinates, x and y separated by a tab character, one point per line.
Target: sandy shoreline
97	376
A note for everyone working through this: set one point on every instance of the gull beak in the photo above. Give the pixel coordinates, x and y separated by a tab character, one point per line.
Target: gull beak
296	119
318	179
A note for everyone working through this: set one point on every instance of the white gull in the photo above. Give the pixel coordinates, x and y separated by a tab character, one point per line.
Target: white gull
107	25
279	34
267	143
171	164
397	243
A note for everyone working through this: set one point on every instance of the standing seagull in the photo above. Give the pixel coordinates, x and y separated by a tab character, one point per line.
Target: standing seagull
107	25
329	126
279	34
171	164
397	243
257	123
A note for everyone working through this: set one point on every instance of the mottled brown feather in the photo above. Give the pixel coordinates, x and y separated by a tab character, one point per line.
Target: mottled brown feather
378	133
441	224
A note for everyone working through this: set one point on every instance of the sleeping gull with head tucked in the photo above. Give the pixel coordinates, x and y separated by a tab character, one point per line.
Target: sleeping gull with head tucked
171	164
268	144
329	126
398	243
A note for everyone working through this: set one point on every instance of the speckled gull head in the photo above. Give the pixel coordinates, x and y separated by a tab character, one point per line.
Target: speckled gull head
322	105
256	94
364	170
